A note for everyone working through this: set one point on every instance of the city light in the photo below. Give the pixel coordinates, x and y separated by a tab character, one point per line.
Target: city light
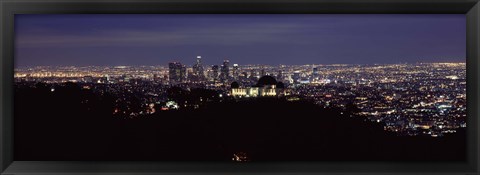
403	97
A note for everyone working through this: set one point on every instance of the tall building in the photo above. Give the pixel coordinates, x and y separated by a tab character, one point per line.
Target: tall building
225	71
176	73
198	73
235	71
296	77
215	70
191	78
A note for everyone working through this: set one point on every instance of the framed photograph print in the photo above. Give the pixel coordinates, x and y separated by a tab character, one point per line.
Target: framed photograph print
239	87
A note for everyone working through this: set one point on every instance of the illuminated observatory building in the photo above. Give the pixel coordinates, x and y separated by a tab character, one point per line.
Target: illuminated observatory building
266	86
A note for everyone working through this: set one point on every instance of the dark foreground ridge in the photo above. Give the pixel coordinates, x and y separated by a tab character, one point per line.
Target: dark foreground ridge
265	129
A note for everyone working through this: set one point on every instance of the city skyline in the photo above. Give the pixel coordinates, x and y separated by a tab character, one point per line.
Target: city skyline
116	40
209	66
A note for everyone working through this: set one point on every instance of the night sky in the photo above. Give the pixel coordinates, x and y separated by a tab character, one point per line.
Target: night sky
112	40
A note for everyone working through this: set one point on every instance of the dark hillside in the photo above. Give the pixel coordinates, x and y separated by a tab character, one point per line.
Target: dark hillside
82	128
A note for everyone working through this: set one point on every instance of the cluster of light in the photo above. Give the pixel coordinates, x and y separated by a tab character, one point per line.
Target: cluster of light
240	157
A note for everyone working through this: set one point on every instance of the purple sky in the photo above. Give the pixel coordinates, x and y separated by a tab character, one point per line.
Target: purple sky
82	40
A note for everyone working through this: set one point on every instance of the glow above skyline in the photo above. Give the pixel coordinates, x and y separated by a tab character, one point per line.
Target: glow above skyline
82	40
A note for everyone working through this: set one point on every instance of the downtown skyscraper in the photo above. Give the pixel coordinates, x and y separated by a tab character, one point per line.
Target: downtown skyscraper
177	73
225	71
198	72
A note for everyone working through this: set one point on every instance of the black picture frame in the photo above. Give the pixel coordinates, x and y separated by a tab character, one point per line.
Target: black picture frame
8	8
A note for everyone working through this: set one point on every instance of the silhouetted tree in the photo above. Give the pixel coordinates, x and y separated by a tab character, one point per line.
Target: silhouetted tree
266	80
280	85
351	108
234	85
